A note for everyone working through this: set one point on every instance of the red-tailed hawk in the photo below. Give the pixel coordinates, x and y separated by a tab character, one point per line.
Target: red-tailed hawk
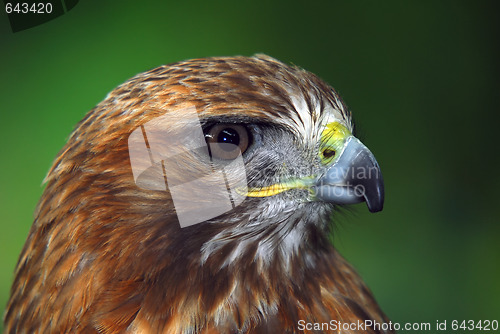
199	197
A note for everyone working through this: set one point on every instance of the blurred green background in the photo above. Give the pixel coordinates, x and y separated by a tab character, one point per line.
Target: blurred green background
421	77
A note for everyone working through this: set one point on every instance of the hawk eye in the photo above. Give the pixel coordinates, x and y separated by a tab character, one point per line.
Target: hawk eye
227	141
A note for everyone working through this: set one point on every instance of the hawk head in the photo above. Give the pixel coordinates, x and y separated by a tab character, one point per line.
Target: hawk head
198	198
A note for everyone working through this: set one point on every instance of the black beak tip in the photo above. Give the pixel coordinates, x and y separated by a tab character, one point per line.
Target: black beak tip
375	207
375	198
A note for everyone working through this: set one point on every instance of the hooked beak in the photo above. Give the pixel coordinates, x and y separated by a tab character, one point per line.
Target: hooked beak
354	177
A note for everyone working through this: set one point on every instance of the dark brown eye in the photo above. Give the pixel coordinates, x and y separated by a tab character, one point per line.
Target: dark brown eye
227	141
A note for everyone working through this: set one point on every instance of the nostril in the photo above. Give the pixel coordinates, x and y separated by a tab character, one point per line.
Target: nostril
328	153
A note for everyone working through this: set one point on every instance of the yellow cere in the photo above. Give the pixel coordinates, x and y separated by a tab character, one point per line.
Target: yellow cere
333	138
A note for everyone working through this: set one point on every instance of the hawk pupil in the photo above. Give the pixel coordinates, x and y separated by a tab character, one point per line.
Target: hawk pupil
228	136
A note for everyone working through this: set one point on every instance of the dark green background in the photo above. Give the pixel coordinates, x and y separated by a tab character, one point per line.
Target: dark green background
422	79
